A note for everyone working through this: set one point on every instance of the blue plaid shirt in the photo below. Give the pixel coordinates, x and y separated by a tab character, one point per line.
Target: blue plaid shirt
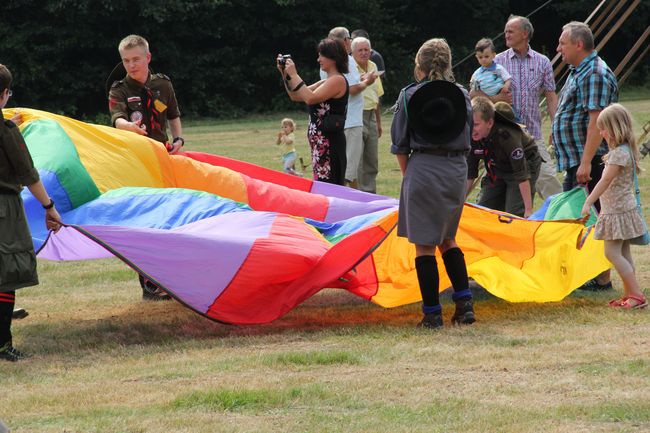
591	86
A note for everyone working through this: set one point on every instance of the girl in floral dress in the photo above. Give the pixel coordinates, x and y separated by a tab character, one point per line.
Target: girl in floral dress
619	221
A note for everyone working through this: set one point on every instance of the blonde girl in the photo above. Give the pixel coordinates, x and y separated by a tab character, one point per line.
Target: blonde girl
285	140
619	221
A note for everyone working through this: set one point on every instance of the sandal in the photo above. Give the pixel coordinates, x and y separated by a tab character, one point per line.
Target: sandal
618	302
634	302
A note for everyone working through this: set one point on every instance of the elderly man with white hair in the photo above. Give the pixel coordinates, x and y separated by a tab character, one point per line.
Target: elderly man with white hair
353	120
369	161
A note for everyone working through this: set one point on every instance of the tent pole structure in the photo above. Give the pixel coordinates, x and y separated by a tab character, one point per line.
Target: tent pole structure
631	68
609	18
600	17
632	51
618	24
605	12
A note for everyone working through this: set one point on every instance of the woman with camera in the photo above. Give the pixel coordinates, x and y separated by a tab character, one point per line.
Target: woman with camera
327	100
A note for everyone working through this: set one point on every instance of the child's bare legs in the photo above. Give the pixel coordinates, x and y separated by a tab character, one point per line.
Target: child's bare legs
618	252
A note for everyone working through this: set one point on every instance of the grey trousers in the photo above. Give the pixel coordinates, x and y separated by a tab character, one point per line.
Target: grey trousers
547	183
369	162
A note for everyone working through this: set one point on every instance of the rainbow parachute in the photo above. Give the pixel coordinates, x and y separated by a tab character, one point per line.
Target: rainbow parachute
243	244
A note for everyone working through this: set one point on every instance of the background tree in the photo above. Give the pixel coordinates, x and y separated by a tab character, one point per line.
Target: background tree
220	53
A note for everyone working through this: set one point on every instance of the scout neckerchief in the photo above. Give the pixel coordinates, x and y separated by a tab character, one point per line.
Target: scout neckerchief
151	109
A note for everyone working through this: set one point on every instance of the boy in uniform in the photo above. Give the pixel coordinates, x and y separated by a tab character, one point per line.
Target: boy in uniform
510	157
143	102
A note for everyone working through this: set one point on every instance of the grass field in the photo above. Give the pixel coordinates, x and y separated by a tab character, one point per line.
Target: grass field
104	361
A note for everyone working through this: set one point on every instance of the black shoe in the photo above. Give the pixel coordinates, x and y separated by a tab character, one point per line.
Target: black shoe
156	294
19	313
9	353
464	314
431	321
151	292
594	286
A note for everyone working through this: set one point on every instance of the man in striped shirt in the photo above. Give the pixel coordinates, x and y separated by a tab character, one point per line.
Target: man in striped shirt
532	75
590	88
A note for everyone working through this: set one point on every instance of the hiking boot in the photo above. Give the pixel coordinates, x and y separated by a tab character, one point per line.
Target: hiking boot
9	353
151	292
431	321
464	314
155	294
19	313
594	286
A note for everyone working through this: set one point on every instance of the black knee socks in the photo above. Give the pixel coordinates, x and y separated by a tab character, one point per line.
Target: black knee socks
454	260
429	281
7	301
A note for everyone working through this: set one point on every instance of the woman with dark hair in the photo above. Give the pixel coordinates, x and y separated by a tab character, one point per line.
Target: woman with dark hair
327	100
431	137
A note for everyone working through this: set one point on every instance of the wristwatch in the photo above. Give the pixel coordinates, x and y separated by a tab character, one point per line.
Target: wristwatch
49	206
175	139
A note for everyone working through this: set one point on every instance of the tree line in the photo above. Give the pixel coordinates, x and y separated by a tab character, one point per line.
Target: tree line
220	53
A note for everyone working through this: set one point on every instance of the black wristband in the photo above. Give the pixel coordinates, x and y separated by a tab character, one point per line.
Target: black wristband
49	206
175	139
302	83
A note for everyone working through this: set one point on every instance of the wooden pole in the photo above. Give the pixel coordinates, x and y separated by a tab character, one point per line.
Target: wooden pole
600	17
609	17
632	51
618	24
631	68
605	12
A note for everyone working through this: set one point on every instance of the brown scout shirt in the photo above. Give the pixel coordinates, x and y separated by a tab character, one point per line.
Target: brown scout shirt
128	96
505	152
16	165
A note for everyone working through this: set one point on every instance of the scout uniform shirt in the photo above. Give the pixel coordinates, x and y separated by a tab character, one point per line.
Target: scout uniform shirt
154	103
17	258
16	165
504	152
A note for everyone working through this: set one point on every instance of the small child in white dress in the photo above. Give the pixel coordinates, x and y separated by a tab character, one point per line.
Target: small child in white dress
285	140
619	220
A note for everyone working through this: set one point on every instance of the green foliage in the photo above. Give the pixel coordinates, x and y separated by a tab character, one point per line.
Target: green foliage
220	53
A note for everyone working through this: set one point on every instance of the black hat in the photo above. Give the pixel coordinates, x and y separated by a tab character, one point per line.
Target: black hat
504	113
437	111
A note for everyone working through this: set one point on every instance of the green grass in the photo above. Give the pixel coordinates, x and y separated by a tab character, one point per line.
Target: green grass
104	361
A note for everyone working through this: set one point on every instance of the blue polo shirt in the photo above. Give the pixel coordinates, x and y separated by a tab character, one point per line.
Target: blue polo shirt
489	80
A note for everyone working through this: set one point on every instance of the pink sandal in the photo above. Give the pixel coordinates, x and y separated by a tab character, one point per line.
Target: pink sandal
617	302
634	302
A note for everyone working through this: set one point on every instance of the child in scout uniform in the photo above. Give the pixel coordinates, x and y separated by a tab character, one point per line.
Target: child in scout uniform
510	157
17	258
430	136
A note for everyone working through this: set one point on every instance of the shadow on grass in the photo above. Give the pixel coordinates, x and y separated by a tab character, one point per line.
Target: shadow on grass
331	311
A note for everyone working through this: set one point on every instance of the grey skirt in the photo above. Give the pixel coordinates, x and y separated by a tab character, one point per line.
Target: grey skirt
432	198
17	258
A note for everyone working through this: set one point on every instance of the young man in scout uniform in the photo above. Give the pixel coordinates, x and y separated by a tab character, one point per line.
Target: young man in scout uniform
143	102
510	156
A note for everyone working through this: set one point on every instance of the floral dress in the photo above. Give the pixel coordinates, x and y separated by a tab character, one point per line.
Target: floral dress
327	148
619	218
